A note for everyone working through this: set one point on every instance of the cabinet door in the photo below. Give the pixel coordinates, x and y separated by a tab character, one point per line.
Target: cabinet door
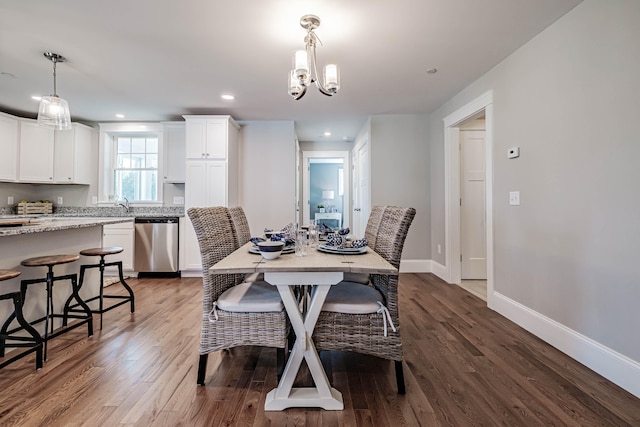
196	133
72	156
174	153
124	238
36	152
9	157
216	142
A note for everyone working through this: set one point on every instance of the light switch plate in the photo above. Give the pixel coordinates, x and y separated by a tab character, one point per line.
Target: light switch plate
94	200
178	200
514	198
513	152
10	200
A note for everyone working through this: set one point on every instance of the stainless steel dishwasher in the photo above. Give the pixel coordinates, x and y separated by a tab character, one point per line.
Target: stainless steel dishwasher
156	246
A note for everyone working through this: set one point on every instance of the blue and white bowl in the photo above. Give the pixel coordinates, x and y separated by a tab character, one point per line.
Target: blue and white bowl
270	249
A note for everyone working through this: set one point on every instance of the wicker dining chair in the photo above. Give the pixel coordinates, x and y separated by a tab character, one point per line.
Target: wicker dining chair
371	234
233	326
368	333
243	235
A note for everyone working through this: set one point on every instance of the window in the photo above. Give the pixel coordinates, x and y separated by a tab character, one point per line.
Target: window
135	175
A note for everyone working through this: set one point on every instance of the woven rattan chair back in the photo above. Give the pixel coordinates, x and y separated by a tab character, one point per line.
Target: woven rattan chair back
373	224
392	232
240	224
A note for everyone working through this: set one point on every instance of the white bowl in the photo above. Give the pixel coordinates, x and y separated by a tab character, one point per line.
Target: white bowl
270	250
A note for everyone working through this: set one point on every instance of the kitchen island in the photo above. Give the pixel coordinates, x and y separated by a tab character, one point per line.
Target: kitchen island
40	236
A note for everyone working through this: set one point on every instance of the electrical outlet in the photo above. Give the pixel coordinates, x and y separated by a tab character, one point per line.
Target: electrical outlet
178	200
59	200
10	200
94	200
439	249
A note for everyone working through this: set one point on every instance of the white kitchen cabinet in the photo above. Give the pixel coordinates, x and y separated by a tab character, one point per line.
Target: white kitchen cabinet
72	162
36	152
208	182
174	152
208	136
122	235
9	141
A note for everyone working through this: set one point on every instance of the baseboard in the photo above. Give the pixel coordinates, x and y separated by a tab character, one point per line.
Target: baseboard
415	266
439	270
191	273
612	365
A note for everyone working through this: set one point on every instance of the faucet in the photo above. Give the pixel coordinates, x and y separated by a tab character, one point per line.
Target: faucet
125	205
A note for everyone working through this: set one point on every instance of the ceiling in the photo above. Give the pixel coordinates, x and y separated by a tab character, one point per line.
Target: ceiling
157	60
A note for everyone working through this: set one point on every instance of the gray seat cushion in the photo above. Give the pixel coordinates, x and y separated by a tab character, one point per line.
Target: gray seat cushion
254	297
353	298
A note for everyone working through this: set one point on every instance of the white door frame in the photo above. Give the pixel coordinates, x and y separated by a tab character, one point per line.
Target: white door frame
452	188
306	209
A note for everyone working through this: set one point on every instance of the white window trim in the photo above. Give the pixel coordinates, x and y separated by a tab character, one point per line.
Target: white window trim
105	168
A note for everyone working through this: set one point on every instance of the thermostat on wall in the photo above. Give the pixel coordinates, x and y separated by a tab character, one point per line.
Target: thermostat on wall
513	152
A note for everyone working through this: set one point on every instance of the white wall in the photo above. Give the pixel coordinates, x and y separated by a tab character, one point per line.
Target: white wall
267	159
566	260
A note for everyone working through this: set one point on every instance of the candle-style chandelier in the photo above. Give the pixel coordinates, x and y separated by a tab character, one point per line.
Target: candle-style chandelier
305	71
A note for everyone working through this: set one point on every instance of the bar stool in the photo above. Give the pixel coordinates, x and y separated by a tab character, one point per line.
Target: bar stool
32	343
102	252
50	261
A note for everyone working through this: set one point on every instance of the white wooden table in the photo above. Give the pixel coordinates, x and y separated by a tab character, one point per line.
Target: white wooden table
320	271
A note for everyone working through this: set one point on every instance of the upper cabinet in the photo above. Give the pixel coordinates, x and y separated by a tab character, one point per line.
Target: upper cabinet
36	152
9	143
207	136
72	156
174	152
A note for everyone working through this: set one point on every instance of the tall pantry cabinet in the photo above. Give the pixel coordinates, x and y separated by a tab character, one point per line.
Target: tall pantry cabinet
211	175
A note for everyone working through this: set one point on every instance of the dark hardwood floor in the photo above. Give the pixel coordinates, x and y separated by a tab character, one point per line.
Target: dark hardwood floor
464	365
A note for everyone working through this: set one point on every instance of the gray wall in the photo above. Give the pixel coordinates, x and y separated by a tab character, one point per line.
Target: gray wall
400	174
267	166
569	99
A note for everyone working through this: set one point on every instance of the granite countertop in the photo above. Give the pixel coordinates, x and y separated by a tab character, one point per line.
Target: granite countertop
49	223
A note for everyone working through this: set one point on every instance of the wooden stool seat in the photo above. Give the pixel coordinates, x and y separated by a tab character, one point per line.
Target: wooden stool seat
33	342
49	260
101	251
8	274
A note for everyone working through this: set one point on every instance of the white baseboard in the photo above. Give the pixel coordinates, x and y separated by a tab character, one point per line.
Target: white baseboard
614	366
439	270
191	273
415	266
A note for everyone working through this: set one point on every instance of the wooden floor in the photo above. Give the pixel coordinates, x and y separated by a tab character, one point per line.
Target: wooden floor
464	365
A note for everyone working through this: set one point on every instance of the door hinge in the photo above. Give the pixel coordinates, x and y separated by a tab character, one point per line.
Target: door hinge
460	201
460	257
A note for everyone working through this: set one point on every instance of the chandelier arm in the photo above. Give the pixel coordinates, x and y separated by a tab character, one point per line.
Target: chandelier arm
300	94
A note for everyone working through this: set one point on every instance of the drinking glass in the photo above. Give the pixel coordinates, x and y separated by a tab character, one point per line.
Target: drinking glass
301	243
313	234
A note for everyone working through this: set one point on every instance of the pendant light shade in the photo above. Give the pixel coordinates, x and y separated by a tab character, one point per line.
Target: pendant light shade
54	111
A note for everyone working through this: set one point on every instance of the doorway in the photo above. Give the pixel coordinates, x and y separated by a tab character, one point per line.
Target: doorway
454	240
325	185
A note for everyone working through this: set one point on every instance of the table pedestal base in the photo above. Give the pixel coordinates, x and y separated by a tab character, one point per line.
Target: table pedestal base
304	398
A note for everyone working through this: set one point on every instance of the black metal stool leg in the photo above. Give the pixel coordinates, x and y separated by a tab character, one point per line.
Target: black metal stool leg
17	301
126	286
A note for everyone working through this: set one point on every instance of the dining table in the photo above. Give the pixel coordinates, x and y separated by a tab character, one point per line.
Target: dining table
316	271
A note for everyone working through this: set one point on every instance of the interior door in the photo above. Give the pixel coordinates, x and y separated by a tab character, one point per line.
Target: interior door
362	202
472	209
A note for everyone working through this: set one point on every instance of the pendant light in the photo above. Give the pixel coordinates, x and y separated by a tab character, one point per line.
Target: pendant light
54	111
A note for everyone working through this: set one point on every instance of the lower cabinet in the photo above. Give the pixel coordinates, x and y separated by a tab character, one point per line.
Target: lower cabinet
122	235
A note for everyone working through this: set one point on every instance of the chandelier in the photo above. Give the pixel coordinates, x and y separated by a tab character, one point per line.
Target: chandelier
54	111
305	70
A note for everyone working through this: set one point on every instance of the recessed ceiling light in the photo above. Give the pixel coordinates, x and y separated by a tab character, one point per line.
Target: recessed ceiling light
36	98
432	70
120	116
327	133
227	97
